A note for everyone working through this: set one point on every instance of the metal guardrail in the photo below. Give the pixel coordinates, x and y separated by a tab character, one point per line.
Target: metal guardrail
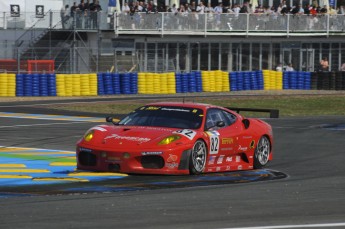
190	23
229	24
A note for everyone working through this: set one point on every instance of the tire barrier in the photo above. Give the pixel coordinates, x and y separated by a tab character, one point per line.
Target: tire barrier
35	85
297	80
165	83
7	84
240	81
188	82
328	80
156	83
273	80
215	81
115	83
76	84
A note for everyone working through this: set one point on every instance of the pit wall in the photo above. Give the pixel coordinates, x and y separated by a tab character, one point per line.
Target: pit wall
94	84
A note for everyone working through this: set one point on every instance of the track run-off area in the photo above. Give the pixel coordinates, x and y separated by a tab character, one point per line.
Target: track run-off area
303	187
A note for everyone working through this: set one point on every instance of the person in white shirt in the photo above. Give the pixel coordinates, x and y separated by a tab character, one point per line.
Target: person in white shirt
289	68
125	8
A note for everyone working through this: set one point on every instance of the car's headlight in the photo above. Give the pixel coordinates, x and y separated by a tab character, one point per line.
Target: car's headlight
89	135
169	140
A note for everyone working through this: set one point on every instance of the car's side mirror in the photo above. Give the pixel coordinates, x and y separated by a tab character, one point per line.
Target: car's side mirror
246	123
220	124
112	120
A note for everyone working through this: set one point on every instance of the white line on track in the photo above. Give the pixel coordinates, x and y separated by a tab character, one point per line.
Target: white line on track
328	225
42	124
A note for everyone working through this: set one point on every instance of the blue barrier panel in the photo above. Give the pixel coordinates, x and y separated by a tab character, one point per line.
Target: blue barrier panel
116	83
240	81
260	80
253	81
191	82
233	81
28	85
184	82
125	83
178	82
286	80
293	80
51	84
198	81
300	80
35	85
100	84
134	83
108	83
19	85
246	81
307	80
43	85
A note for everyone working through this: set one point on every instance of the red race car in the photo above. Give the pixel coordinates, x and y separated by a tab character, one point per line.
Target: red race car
177	138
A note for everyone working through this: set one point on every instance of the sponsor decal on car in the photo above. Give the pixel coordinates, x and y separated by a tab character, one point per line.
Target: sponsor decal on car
220	159
239	167
241	148
214	141
171	161
98	128
218	169
228	168
174	109
190	134
228	159
226	149
211	160
128	138
247	137
151	108
252	144
226	141
151	153
238	158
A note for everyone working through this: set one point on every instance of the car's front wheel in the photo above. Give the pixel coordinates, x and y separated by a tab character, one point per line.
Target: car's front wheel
198	157
262	152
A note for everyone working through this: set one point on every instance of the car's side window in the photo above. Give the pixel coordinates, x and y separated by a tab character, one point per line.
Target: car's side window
213	116
230	118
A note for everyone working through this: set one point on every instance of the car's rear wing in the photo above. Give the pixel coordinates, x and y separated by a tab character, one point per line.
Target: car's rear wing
274	113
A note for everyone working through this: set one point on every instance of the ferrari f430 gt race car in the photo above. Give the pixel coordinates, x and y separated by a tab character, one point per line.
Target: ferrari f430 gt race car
177	138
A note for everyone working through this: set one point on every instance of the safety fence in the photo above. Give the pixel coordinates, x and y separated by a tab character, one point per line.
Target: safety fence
94	84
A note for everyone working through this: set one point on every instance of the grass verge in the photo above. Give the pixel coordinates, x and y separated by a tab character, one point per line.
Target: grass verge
288	105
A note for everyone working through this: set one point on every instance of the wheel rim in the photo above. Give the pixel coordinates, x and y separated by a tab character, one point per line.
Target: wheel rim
263	150
199	156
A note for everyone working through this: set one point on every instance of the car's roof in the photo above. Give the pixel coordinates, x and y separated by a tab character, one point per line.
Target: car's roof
183	104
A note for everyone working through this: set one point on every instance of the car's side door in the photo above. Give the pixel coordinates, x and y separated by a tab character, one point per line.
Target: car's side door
221	127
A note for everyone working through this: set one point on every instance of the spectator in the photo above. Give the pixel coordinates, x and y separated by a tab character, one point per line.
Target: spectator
73	9
64	16
279	67
125	8
209	8
94	9
289	68
324	64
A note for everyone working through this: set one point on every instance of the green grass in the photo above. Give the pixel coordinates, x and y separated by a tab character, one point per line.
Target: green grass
311	105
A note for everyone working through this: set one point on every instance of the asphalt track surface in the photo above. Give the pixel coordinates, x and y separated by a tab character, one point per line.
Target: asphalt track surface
309	150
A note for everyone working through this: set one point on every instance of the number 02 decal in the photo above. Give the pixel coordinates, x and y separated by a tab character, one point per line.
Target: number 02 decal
214	144
187	133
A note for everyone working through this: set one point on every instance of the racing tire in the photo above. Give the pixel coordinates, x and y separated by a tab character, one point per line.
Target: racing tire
198	158
262	152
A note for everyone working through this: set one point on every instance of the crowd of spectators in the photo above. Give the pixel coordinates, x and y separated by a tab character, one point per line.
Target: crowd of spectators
82	15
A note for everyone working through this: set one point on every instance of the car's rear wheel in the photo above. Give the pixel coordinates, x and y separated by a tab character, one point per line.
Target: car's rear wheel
198	157
262	152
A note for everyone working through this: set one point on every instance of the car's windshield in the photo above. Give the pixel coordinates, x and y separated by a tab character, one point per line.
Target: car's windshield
165	116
